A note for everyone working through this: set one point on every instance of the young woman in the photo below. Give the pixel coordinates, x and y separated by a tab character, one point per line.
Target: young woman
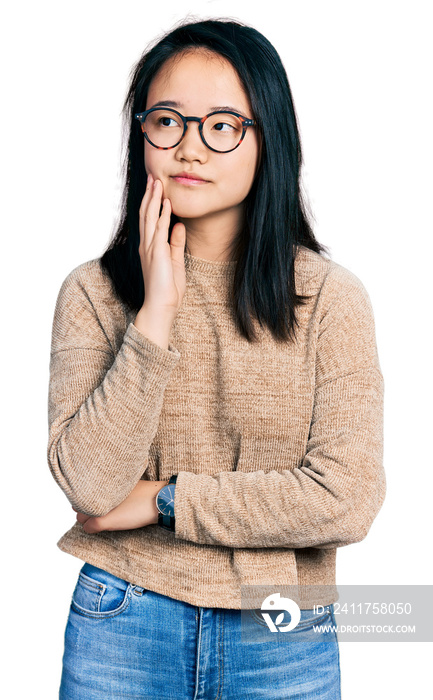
215	400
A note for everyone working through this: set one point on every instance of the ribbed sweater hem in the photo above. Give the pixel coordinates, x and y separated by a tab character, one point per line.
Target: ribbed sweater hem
230	593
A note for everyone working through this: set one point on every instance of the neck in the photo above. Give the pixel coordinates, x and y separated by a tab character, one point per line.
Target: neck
213	237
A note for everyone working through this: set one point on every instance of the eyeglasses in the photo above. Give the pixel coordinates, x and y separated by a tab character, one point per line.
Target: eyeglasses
220	131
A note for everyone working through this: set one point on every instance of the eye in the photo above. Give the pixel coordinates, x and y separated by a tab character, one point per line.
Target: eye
224	126
223	123
167	121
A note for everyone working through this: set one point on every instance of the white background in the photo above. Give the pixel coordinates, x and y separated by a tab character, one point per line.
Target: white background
360	73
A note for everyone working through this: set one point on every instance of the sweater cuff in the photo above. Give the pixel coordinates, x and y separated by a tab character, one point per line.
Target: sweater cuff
168	358
186	507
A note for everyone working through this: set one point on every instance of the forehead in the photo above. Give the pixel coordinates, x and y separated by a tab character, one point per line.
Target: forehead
198	79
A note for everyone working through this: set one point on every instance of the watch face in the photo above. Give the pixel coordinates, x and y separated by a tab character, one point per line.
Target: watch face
165	500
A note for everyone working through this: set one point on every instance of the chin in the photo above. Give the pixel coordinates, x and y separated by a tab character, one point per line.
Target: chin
186	210
184	213
189	202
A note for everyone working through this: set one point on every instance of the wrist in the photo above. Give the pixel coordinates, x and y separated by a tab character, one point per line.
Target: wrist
155	511
156	326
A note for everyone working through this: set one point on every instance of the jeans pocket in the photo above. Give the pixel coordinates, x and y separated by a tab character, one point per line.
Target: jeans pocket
99	594
311	617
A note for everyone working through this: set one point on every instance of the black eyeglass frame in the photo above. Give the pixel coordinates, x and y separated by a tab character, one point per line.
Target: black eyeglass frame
141	116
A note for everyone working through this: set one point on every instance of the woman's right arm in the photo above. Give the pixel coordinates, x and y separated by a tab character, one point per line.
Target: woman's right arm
103	408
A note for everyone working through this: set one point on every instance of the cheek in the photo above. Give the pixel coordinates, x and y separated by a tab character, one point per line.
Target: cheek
246	163
148	161
242	176
153	161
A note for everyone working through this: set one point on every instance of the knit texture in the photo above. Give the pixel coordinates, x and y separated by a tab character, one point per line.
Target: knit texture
278	446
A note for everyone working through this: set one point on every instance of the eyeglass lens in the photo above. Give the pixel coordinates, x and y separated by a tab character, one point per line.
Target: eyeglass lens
221	131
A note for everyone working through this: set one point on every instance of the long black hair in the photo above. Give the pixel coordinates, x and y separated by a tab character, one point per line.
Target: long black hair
275	220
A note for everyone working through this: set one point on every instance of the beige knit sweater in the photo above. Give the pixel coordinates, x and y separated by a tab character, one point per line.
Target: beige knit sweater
278	447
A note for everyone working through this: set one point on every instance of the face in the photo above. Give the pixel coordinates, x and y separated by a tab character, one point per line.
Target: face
195	84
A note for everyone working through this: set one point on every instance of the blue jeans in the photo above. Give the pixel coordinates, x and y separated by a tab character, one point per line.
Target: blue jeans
123	641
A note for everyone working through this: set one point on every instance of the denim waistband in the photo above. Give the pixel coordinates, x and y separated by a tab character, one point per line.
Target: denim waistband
104	576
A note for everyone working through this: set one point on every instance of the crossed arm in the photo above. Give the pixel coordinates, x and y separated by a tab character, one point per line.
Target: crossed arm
137	510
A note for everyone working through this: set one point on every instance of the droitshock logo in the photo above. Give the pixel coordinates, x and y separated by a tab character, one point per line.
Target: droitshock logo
275	602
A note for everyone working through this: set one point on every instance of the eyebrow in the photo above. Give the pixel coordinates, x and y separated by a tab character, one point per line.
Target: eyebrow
178	105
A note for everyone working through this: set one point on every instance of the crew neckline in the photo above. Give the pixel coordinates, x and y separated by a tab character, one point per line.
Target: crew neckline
214	267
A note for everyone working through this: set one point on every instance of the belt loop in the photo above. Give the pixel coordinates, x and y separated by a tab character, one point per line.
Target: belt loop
138	590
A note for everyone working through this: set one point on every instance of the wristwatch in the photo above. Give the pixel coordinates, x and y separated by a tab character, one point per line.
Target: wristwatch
165	504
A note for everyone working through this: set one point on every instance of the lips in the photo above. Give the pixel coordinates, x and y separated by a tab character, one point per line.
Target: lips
189	179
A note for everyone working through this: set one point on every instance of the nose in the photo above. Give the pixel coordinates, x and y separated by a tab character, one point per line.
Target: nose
192	147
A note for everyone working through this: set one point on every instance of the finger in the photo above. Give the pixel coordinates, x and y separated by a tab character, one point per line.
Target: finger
151	215
177	243
144	204
163	223
82	517
90	523
147	192
93	525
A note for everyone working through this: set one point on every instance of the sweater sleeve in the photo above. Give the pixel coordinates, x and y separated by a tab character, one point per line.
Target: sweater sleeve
332	498
103	407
